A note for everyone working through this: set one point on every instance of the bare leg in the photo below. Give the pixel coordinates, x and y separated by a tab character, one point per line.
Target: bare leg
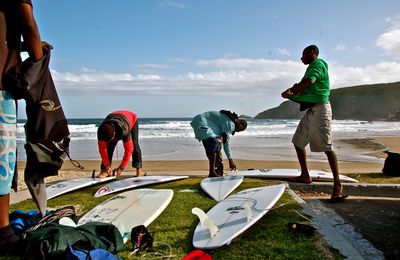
337	186
304	176
4	210
9	242
211	159
139	172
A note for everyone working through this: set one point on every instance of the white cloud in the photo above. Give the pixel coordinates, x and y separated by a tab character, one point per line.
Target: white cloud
224	77
390	40
284	52
152	66
383	72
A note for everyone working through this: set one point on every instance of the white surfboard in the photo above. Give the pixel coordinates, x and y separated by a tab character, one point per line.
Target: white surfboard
134	182
130	209
283	174
220	187
73	184
233	215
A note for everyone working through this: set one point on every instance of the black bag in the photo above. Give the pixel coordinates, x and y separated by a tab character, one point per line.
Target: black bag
46	129
392	164
141	238
49	157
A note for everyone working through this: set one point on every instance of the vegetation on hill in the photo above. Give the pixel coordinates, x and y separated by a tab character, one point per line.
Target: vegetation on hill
365	102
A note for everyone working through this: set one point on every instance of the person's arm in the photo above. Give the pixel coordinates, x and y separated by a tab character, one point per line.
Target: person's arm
103	153
227	149
30	32
128	150
297	88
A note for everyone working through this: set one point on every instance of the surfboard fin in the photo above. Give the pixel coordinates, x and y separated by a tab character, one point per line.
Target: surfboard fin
206	221
249	213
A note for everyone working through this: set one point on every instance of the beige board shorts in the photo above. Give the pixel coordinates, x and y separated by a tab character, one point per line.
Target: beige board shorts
315	128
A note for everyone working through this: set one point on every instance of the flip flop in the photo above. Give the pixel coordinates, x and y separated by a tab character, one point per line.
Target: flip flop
338	198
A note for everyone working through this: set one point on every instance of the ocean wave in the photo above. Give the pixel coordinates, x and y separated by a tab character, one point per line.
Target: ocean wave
170	128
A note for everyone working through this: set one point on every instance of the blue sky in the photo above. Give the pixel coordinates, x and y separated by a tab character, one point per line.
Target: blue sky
174	58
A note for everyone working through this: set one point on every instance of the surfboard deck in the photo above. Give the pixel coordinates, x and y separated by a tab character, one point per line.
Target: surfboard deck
220	187
130	209
134	182
283	174
233	215
66	186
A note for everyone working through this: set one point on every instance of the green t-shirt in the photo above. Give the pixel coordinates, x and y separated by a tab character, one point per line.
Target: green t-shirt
319	91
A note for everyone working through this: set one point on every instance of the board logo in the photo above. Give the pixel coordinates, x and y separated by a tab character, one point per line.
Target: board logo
234	210
104	189
265	170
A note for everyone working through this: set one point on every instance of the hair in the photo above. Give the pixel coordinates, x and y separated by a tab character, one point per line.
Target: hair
313	48
105	132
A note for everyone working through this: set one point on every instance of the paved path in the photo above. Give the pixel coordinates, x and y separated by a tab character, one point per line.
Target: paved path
364	226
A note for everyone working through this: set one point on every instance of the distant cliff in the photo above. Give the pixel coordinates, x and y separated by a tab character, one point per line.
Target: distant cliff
365	102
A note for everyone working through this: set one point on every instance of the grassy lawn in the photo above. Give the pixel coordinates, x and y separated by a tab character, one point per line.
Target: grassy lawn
378	177
269	238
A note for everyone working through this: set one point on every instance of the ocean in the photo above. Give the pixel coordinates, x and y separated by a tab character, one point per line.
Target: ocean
173	138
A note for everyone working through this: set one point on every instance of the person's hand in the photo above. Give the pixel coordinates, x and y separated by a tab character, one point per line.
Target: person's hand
285	94
47	46
232	165
104	173
107	170
117	171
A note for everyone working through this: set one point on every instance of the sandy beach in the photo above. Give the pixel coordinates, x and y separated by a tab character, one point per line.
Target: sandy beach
372	147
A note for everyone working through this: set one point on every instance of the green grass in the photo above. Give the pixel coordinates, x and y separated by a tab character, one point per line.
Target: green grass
377	177
269	238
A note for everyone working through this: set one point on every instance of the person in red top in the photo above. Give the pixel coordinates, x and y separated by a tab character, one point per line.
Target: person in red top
119	125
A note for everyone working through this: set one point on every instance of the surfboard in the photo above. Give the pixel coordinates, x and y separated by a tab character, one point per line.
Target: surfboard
233	215
220	187
130	209
283	174
66	186
134	182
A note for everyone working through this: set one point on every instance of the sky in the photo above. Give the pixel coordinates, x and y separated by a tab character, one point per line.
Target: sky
176	58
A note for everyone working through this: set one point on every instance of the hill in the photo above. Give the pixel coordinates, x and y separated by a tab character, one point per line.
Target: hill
365	102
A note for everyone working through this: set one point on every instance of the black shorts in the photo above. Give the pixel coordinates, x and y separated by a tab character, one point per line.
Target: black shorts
212	145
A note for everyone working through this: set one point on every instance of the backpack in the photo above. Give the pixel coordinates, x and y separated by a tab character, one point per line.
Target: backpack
392	164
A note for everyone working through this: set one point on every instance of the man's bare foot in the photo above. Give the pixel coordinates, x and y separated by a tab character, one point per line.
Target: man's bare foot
302	179
140	173
337	189
213	175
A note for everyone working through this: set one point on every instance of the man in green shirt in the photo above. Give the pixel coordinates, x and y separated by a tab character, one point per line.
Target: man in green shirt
312	93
